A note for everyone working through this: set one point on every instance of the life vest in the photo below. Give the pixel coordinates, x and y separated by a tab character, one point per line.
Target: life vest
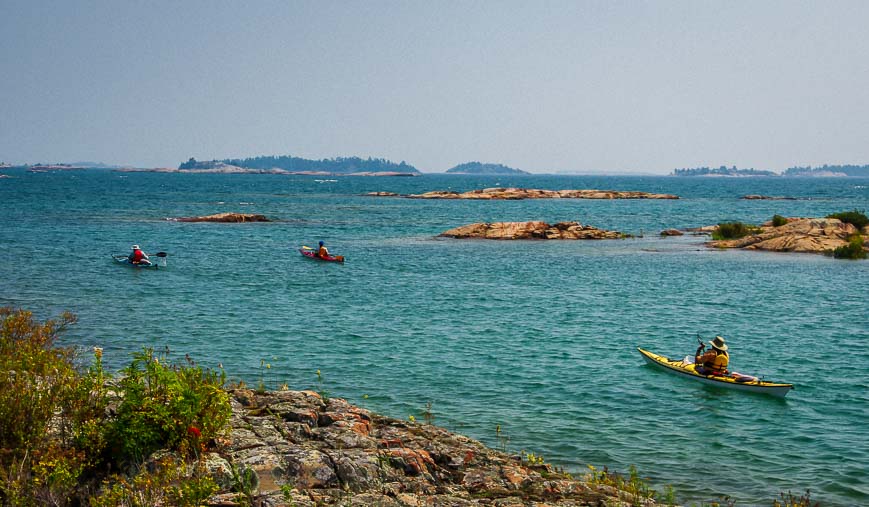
137	256
323	253
718	366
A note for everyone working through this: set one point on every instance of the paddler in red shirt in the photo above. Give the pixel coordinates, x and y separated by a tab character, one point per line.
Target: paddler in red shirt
138	256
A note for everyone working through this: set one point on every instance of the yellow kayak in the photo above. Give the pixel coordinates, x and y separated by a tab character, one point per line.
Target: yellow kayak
732	380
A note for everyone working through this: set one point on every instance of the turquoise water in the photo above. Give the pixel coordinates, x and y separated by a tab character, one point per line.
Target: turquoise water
537	337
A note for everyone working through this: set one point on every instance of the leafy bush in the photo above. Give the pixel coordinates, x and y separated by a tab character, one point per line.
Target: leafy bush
37	377
166	406
732	230
164	483
853	250
57	440
855	218
778	220
44	405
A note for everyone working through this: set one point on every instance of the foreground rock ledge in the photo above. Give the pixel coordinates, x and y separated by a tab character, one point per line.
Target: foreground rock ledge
224	217
807	235
530	230
529	193
308	451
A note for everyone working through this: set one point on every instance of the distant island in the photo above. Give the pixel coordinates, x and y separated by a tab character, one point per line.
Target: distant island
297	165
721	171
822	171
829	170
480	168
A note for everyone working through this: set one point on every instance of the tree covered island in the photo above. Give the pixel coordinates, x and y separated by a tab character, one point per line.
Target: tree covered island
297	165
821	171
721	171
480	168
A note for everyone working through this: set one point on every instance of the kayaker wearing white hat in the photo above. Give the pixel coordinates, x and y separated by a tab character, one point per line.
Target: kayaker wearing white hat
138	256
712	362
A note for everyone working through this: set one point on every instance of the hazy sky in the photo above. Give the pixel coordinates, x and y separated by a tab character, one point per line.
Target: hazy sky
550	86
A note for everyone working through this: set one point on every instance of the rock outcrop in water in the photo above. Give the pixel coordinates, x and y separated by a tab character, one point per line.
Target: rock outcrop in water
755	197
307	451
812	235
224	217
530	230
531	193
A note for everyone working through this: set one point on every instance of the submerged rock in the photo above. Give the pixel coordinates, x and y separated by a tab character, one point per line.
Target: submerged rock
755	197
530	230
224	217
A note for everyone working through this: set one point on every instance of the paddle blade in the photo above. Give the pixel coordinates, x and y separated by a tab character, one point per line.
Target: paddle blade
160	254
306	247
340	258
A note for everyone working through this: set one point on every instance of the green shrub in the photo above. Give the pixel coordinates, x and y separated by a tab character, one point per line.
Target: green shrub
167	406
778	220
57	441
166	482
49	412
855	218
853	250
36	377
732	230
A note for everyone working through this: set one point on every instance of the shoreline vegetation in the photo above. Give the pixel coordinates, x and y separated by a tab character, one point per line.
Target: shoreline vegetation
174	433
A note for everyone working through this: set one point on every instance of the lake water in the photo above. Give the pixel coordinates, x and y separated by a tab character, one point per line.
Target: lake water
537	337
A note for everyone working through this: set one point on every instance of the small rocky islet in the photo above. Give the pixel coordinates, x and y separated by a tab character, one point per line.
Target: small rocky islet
530	230
801	235
224	218
513	193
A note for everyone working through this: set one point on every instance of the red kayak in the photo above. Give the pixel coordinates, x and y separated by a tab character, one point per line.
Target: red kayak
312	254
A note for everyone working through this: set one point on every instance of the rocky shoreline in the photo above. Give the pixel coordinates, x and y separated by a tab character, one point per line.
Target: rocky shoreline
305	450
530	230
513	193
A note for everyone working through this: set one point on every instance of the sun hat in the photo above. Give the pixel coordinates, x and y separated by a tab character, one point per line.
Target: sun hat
134	247
718	343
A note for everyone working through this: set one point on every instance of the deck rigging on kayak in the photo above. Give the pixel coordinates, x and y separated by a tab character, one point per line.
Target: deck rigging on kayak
730	380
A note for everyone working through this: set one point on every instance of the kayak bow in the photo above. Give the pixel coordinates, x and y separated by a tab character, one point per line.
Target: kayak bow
731	381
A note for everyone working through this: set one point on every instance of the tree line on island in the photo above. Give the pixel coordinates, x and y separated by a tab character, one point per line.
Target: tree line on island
338	165
481	168
824	170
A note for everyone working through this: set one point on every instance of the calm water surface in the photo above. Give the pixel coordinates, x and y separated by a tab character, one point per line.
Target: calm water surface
537	337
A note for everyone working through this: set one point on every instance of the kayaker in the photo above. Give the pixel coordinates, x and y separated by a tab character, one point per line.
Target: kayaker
322	253
138	256
712	362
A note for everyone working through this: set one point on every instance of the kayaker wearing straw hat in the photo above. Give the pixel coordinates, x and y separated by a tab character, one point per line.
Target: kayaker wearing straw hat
138	256
712	362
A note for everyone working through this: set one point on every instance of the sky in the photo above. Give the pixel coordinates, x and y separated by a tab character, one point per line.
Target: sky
602	87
